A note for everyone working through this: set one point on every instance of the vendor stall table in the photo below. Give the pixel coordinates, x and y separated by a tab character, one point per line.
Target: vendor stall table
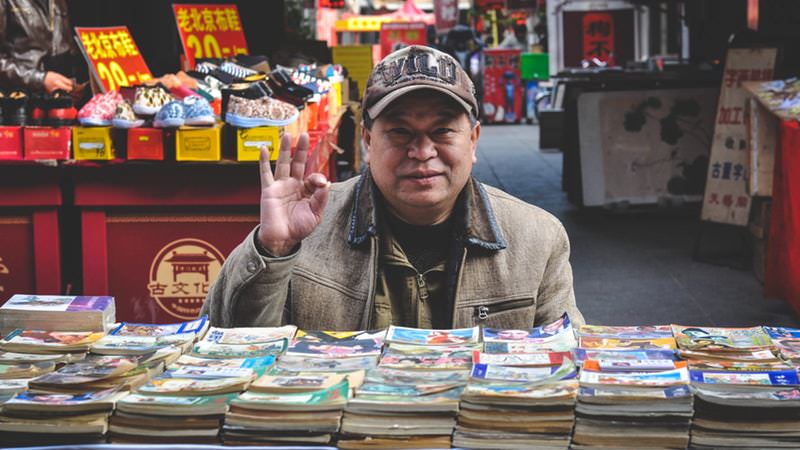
30	255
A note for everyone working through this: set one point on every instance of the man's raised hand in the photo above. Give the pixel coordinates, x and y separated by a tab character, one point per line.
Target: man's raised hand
291	205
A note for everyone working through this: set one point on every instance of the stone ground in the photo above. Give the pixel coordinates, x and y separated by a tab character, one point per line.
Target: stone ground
629	267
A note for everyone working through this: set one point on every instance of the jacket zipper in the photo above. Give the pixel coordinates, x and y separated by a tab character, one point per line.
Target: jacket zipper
366	323
482	312
458	285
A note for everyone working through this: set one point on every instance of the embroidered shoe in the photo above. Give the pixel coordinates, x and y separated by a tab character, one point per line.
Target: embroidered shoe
265	111
173	114
124	117
100	110
149	99
198	112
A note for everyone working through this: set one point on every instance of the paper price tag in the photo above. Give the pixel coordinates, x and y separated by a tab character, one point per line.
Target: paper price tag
210	31
113	56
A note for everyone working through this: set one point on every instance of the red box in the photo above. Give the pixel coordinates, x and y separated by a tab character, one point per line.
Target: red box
47	142
30	250
502	89
158	255
10	143
146	143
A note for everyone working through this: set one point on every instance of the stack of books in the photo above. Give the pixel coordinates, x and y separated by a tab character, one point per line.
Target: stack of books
57	313
138	338
411	399
73	344
523	397
744	398
34	418
94	373
288	409
633	393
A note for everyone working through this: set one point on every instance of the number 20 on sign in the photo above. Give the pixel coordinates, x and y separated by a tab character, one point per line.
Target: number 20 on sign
209	31
114	56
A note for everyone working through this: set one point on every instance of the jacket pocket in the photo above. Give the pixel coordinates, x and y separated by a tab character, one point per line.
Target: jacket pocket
483	312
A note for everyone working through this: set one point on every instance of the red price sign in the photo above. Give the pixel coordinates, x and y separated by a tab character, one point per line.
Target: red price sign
113	56
598	37
210	31
395	35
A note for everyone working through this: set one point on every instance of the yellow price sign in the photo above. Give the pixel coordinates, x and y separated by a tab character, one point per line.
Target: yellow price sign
113	56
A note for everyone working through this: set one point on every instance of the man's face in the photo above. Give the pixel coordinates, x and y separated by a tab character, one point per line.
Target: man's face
420	153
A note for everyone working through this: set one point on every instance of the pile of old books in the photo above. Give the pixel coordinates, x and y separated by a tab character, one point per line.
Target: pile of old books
745	396
411	399
187	402
521	392
61	312
302	400
633	394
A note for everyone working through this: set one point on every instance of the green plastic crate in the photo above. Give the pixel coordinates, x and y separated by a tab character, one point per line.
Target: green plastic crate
535	66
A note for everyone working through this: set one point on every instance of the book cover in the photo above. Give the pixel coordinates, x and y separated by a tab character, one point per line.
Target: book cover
487	372
60	303
213	350
259	365
521	359
248	336
199	372
716	338
404	390
669	392
627	332
539	335
335	337
44	399
51	338
632	365
336	349
594	343
556	389
146	330
767	378
426	361
582	354
290	363
178	386
405	335
296	383
664	378
400	377
336	393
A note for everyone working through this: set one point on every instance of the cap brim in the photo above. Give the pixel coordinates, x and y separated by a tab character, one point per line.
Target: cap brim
378	107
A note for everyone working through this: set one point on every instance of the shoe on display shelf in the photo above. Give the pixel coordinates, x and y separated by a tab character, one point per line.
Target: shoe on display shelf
37	107
124	117
150	99
60	109
15	108
198	112
100	110
265	111
171	115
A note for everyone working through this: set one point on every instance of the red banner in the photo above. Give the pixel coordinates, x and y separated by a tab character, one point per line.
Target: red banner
209	31
113	56
598	37
397	35
446	12
487	5
331	4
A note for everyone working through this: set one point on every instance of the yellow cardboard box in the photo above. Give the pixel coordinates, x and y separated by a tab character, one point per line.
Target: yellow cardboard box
250	140
92	143
198	144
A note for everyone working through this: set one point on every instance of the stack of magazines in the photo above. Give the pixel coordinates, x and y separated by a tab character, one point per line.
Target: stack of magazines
411	399
57	313
743	399
523	397
332	351
633	393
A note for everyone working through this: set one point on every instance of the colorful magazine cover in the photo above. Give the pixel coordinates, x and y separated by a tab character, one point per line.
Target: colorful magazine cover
782	332
67	303
665	378
172	386
248	336
404	390
521	359
627	332
771	378
337	393
332	337
447	397
51	338
632	365
290	363
597	343
289	383
33	398
418	336
669	392
145	330
400	377
539	335
209	372
583	354
426	361
737	366
715	338
213	350
553	390
485	372
175	401
259	365
340	349
13	385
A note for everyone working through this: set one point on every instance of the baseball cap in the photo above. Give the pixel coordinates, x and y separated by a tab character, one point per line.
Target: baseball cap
417	67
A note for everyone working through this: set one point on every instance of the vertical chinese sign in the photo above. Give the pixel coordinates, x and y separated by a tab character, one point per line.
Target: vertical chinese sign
446	12
209	31
598	37
113	56
726	198
396	35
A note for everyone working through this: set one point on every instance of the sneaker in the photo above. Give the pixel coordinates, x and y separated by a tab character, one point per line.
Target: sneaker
265	111
173	114
150	99
99	112
60	109
252	91
15	108
124	117
37	105
198	112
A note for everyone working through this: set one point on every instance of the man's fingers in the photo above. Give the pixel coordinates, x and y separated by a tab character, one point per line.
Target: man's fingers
300	155
318	186
284	165
264	168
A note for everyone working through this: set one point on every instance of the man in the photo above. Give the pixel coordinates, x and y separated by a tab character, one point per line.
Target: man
36	46
414	241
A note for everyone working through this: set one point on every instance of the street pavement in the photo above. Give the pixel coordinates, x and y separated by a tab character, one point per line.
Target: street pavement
629	267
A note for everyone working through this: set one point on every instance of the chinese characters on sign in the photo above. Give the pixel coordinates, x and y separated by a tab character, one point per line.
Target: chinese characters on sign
113	56
598	37
210	31
397	35
446	12
726	198
331	4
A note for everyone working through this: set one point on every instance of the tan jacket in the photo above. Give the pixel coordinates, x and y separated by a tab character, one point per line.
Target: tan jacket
515	270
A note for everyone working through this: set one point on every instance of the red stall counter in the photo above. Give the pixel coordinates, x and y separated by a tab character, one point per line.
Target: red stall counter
155	236
30	250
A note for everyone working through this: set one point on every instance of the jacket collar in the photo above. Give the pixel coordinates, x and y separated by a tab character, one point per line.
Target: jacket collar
480	225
